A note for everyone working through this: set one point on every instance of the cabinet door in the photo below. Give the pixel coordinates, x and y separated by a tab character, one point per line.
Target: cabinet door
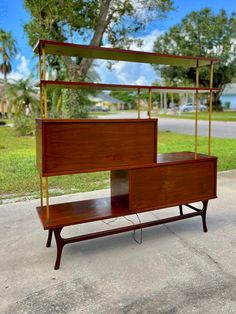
74	147
170	185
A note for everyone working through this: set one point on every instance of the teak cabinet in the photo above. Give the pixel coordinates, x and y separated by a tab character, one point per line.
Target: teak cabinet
140	178
75	146
166	184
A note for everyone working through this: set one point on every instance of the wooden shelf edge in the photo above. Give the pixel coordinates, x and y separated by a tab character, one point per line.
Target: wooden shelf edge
104	86
97	52
75	210
162	160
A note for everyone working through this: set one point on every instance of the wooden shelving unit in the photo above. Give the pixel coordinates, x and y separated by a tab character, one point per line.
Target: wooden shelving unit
141	180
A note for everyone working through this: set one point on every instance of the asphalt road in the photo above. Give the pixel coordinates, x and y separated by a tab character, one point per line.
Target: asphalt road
219	128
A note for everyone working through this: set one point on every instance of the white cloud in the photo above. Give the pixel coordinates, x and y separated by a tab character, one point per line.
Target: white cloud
22	69
148	41
131	73
142	80
18	56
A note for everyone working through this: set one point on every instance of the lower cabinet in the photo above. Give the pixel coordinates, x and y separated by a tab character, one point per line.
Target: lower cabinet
165	185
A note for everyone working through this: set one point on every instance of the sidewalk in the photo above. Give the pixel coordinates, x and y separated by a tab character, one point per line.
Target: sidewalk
177	269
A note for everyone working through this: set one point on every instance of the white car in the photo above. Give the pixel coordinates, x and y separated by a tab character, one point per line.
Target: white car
192	107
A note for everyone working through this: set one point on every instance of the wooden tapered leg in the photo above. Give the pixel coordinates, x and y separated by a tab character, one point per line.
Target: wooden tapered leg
204	211
60	244
49	240
181	210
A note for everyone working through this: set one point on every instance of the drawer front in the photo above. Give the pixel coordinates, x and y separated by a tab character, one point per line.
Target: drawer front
170	185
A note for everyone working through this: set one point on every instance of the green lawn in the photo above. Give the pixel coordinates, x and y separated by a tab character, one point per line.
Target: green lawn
18	174
216	116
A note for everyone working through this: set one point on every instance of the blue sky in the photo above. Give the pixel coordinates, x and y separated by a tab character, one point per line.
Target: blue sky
13	16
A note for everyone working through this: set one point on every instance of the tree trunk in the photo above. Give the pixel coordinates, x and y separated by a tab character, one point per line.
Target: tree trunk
97	36
102	22
5	99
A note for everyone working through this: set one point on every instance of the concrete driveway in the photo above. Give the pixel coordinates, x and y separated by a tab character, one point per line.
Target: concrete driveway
219	128
177	269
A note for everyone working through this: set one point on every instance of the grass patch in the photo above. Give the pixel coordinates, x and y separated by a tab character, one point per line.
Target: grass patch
223	148
216	116
18	174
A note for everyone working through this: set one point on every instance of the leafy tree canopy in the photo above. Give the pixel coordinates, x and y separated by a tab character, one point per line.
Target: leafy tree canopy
92	21
201	33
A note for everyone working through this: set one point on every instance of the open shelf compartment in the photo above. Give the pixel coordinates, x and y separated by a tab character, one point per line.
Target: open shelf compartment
129	196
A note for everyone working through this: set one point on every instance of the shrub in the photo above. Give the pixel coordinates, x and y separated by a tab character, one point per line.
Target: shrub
24	125
227	105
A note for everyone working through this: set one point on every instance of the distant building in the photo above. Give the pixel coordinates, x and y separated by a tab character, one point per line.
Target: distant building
228	97
104	102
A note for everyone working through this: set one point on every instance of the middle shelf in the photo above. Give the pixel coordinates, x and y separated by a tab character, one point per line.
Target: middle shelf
121	87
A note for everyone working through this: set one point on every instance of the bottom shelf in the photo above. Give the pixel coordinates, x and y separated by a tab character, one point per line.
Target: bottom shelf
72	213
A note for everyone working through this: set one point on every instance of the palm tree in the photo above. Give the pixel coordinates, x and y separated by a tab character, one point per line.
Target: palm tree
8	51
22	96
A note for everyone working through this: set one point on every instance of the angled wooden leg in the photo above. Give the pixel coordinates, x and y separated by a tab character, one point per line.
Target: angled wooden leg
181	210
204	211
60	244
49	240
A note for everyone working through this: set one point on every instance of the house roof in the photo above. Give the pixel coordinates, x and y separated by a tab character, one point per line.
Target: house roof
230	89
106	98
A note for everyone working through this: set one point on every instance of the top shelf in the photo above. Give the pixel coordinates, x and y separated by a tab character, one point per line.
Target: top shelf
68	49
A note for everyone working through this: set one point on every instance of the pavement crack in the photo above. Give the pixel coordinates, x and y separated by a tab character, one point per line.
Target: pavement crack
202	254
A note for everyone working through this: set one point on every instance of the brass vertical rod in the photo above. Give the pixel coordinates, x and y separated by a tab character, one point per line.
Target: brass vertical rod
210	107
47	199
45	101
44	87
44	63
150	104
40	78
157	108
139	103
41	191
196	113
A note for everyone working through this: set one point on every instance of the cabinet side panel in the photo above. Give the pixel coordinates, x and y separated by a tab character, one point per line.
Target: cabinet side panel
79	147
38	133
120	186
170	185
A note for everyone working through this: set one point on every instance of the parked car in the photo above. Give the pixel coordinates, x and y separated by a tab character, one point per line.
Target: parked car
192	107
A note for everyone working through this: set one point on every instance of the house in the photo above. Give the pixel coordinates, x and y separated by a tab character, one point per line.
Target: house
228	97
104	102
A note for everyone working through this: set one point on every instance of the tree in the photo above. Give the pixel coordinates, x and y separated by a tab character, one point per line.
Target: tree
8	51
95	22
201	33
131	97
23	99
22	96
114	22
